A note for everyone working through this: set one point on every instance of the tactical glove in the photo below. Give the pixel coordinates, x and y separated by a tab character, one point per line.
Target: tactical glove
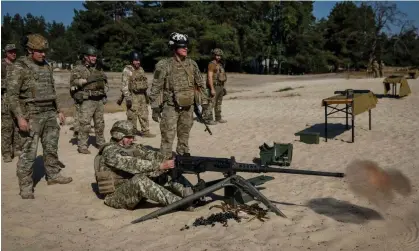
128	102
156	114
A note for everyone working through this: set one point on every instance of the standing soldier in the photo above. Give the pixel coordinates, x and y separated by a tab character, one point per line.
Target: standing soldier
11	143
34	104
375	67
177	84
381	68
216	78
134	91
90	86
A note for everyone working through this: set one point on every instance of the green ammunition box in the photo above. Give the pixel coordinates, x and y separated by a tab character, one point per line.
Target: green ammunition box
278	154
309	137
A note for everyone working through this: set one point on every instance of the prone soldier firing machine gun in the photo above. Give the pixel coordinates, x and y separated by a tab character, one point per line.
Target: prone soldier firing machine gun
235	186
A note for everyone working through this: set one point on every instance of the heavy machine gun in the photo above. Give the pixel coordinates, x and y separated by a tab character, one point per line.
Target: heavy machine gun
235	187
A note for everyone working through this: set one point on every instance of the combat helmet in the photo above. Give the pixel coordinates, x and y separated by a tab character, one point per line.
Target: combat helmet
178	40
134	55
217	52
88	50
35	42
121	129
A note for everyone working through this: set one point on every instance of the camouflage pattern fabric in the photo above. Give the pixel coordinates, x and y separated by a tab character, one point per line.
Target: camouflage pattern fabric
76	117
375	69
42	119
214	104
91	109
44	127
139	108
11	141
90	106
138	176
176	121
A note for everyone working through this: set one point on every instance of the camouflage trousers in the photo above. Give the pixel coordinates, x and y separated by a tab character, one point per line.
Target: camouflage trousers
132	191
91	109
175	122
139	110
44	127
214	104
11	140
76	117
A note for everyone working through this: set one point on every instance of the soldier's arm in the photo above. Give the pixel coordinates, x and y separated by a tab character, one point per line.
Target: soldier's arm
147	154
126	74
14	82
199	80
157	85
133	165
210	73
76	79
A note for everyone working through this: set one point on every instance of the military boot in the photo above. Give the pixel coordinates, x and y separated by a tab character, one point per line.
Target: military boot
60	180
27	195
210	122
7	158
148	134
83	150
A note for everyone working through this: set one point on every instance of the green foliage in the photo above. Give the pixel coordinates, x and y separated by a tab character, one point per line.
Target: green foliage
247	32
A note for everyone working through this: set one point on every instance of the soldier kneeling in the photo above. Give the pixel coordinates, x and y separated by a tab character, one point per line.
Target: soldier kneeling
127	172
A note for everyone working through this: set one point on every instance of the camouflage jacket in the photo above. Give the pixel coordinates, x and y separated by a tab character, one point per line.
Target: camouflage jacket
127	74
127	161
22	82
81	72
170	72
5	66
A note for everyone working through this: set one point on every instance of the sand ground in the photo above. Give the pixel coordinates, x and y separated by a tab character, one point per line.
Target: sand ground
322	213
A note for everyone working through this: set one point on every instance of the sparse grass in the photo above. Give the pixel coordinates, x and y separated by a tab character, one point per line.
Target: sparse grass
293	94
284	89
288	89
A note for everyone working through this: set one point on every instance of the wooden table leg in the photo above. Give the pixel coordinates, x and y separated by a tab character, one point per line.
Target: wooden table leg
347	115
369	115
325	122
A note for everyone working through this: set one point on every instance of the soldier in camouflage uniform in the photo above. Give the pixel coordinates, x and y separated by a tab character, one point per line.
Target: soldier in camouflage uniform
375	67
11	142
127	172
134	89
216	79
90	86
177	84
34	104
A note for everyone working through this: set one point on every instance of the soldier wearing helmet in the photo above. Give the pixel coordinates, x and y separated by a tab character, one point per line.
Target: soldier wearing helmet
11	142
89	87
134	90
34	104
177	86
216	79
127	173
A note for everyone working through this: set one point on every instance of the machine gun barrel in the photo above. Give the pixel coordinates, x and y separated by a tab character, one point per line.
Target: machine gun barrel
253	168
193	165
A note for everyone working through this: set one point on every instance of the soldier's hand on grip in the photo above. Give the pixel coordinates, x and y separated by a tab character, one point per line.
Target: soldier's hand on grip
156	114
168	164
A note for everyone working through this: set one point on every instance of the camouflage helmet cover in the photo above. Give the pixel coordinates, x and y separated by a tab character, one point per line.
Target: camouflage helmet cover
217	52
178	40
121	129
10	47
36	42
